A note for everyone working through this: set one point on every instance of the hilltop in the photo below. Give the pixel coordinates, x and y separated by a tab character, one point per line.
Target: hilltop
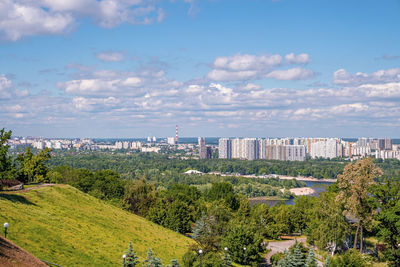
61	224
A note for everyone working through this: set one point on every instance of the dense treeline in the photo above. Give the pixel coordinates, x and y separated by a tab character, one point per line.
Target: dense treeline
143	164
138	164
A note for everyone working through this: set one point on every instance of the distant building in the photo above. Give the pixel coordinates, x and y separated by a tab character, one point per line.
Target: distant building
171	141
224	148
205	152
388	144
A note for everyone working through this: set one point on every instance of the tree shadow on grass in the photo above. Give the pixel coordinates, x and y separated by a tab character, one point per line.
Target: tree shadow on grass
16	199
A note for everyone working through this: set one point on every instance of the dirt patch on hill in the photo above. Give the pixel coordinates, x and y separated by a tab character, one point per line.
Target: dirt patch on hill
12	255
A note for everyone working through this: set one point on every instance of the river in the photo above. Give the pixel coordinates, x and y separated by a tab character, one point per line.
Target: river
318	186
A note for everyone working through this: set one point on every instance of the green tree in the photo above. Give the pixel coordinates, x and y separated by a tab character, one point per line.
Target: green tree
298	258
311	260
387	200
174	263
352	258
139	196
6	165
130	260
243	235
224	191
33	167
355	184
328	225
152	260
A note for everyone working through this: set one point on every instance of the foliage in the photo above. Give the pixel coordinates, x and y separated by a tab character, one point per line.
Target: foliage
244	243
152	260
130	260
355	183
105	184
224	191
352	258
33	167
387	200
327	226
6	164
276	258
139	196
311	260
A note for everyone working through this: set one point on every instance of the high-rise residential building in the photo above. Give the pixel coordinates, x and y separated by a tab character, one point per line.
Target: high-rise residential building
250	148
224	148
261	148
388	144
204	151
326	148
236	151
381	144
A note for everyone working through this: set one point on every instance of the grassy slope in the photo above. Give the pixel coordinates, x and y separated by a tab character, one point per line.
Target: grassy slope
61	224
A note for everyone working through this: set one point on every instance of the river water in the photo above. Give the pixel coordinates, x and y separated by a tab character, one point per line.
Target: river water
318	186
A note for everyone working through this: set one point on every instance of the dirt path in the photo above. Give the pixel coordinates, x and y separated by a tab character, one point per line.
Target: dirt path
26	189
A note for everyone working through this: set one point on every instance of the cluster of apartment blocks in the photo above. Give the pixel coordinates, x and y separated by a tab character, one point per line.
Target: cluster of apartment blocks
297	149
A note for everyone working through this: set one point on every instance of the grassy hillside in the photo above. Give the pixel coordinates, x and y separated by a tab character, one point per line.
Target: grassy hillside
61	224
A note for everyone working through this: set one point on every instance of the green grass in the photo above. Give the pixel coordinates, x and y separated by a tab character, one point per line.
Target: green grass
61	224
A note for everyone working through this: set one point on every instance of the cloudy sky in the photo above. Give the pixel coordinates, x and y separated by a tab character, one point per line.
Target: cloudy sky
260	68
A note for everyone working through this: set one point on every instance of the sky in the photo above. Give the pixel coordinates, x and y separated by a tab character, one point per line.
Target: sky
249	68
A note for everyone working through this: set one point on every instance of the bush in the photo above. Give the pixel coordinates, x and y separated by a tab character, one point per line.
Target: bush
276	257
352	258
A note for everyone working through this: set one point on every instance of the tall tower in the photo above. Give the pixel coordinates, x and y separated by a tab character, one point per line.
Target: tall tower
176	134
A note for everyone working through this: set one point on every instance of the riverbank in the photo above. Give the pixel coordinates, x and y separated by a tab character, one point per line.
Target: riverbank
301	191
268	198
268	176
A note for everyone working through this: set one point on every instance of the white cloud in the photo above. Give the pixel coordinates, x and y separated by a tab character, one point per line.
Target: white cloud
291	74
21	18
245	62
224	75
343	77
253	67
18	19
299	59
110	56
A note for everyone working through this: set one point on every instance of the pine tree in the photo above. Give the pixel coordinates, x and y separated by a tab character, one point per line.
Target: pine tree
311	260
284	262
227	259
200	228
297	256
152	261
131	260
327	262
174	263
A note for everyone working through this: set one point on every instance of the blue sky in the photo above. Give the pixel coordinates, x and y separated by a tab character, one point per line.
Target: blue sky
132	68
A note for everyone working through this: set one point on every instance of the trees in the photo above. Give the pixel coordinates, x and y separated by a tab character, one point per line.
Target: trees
152	260
387	200
327	227
224	191
311	260
242	235
355	183
33	167
139	196
130	260
5	160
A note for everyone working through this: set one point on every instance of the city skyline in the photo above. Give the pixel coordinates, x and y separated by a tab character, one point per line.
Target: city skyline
129	69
